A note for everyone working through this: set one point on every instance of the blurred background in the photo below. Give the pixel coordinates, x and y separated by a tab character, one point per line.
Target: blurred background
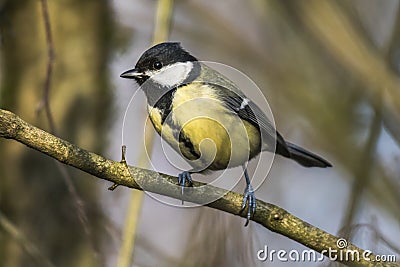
329	69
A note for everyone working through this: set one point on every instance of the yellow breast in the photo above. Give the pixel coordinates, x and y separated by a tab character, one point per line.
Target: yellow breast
221	138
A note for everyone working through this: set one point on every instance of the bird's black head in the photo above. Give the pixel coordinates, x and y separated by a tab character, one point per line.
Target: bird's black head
158	58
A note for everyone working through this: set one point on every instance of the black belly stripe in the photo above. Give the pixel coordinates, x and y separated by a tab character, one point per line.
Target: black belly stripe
185	141
164	104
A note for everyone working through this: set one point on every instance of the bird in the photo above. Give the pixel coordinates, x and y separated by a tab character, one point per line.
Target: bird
189	102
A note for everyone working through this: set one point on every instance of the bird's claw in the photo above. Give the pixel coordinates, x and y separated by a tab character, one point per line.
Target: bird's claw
182	179
249	198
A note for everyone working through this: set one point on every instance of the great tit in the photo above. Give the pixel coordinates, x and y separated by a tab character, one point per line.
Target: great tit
189	102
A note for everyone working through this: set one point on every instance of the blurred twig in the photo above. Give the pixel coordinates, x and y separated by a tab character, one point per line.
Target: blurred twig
362	179
268	215
359	58
27	245
363	174
356	80
163	20
393	47
161	32
45	104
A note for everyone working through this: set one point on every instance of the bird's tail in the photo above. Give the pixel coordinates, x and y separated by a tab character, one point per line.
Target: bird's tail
306	158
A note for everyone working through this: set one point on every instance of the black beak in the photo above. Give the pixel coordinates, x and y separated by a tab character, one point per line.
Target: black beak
132	74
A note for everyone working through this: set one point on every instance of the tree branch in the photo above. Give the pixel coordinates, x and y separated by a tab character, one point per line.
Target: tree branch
268	215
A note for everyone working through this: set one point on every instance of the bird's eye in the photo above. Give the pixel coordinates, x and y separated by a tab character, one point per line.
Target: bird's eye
157	65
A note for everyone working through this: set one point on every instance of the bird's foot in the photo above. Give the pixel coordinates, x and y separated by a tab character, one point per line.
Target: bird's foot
182	179
249	198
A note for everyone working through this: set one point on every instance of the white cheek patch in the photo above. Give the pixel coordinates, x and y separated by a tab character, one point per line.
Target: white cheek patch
172	75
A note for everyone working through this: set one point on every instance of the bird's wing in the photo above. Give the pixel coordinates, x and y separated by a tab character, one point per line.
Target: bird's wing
247	110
